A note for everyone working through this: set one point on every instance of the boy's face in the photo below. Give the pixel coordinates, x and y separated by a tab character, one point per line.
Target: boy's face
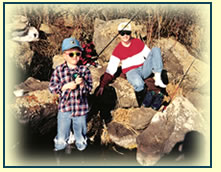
72	56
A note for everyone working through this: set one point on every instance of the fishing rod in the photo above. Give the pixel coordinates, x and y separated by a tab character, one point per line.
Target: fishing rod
164	108
116	35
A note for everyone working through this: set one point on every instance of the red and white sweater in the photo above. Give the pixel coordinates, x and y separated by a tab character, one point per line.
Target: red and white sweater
130	57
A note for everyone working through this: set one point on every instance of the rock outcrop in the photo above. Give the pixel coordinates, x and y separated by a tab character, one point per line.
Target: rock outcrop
18	50
176	61
127	125
37	106
168	128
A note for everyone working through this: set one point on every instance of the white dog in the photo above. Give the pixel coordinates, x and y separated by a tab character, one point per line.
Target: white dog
31	36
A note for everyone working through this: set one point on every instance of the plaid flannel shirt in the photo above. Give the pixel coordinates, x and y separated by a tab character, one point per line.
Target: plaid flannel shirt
71	100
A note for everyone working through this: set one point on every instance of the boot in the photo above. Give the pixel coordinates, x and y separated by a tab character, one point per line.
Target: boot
158	80
140	96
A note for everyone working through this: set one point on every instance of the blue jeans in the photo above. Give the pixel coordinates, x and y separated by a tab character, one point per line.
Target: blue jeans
65	121
153	63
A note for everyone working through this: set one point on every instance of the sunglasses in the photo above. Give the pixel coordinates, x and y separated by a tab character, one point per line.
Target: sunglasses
122	33
72	54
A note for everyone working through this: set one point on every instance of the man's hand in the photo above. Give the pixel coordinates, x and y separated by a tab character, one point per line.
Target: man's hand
100	91
71	85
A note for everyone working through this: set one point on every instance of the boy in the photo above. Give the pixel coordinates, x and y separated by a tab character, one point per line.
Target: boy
72	82
138	62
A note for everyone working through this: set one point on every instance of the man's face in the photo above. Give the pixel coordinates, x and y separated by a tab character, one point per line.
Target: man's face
72	56
125	36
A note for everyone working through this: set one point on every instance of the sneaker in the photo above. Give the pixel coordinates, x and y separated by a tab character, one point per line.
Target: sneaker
71	139
158	80
81	146
160	84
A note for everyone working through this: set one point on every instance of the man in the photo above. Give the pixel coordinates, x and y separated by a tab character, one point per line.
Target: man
138	62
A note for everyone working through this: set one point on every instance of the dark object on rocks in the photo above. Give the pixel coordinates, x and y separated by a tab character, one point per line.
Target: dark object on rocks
41	67
157	101
188	151
148	98
103	103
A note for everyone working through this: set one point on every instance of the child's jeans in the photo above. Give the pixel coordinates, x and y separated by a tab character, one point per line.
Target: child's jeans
153	63
65	121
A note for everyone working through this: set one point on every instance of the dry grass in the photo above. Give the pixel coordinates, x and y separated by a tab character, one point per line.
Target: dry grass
123	116
184	25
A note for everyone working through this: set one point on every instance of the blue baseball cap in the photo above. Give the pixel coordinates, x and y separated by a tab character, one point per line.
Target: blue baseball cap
69	43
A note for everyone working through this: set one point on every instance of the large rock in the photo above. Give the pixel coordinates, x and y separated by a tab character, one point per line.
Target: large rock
47	29
32	84
127	125
18	50
57	60
137	118
37	107
105	31
122	136
177	59
168	128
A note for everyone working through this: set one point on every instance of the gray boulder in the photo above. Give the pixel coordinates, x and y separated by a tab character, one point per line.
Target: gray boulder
36	106
127	125
168	128
176	59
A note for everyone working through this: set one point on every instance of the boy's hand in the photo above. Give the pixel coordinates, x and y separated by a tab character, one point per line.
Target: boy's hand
71	85
79	81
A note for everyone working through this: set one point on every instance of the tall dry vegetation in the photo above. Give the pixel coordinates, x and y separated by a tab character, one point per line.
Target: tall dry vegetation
160	21
78	20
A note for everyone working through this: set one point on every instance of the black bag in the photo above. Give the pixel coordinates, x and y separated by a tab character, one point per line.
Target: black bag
153	100
157	101
148	98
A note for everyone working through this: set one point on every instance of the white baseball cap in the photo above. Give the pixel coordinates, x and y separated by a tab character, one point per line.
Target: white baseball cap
121	26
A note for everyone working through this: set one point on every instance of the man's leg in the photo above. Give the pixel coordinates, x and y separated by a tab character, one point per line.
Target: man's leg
154	64
134	77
